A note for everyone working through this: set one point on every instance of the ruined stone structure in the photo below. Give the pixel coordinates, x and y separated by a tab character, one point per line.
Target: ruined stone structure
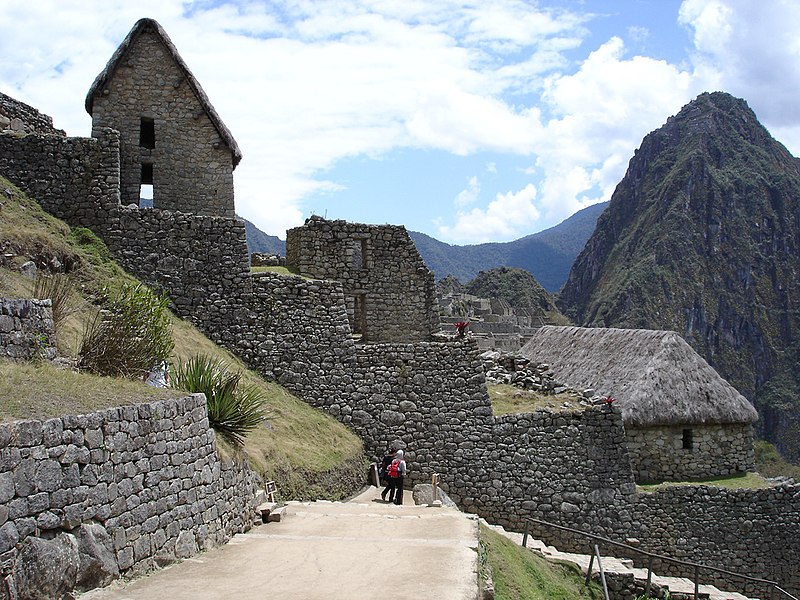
390	292
430	396
26	329
18	117
170	135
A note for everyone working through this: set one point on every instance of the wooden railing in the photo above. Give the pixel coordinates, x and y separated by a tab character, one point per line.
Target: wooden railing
773	590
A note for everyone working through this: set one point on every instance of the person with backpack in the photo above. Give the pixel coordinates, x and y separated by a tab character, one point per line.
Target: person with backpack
398	470
383	472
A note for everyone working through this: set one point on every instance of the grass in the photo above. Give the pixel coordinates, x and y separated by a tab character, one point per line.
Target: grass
507	399
41	390
279	270
749	481
308	453
520	574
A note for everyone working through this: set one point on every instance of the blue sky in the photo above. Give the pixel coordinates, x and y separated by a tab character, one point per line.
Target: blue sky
469	121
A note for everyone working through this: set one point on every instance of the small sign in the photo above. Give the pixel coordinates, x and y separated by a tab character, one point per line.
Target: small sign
271	487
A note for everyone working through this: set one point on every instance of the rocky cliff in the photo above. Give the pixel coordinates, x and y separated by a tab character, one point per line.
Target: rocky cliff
702	236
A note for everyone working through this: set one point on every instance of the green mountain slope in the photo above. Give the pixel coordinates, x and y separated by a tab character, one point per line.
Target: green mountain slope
258	241
548	254
702	236
516	286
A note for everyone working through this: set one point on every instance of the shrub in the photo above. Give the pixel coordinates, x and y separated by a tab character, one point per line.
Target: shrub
234	408
58	288
131	334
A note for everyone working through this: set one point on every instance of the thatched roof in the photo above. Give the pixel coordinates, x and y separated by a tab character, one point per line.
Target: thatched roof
150	25
656	377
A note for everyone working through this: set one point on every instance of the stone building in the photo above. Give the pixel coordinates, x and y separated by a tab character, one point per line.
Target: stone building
171	138
682	420
389	291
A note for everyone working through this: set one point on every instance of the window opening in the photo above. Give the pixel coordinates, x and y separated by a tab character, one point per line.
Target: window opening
357	315
688	439
146	186
360	254
147	133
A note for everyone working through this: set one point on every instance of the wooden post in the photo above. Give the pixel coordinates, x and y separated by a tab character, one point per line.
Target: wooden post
649	577
696	582
602	573
589	570
435	485
525	536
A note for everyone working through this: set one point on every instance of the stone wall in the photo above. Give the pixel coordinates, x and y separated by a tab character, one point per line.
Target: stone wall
26	329
660	453
18	117
74	179
115	492
389	291
192	166
200	261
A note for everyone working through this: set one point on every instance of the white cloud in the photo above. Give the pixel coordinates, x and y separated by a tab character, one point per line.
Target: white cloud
469	195
491	167
753	51
305	84
501	219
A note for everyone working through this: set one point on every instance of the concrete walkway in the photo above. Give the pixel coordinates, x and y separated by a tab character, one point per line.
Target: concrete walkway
328	550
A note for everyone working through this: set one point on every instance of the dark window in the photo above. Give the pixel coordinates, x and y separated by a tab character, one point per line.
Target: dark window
357	314
688	439
147	133
360	254
147	174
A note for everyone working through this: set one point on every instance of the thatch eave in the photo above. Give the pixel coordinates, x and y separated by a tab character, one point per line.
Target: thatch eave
656	377
116	59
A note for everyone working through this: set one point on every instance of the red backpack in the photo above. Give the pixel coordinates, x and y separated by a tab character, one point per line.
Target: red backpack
394	469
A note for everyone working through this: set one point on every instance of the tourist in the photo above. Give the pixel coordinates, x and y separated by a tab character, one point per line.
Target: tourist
383	473
398	466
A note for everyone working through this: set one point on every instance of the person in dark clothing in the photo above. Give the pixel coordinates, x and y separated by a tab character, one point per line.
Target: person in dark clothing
400	469
384	474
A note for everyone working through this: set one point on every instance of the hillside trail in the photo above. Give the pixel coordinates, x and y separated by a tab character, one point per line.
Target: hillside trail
363	548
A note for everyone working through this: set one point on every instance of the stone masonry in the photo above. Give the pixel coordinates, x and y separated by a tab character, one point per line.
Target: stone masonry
167	135
390	293
678	453
20	118
26	329
114	492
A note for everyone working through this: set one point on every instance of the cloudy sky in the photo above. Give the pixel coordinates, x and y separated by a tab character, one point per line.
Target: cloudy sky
469	121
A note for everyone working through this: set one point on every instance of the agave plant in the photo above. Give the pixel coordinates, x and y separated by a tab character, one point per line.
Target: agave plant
234	408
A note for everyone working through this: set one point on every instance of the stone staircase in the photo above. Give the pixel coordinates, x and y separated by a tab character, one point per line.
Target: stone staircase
678	587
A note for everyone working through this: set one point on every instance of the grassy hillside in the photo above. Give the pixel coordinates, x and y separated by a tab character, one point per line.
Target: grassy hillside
519	574
308	453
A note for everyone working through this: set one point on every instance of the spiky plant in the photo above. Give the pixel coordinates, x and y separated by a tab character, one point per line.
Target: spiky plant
234	408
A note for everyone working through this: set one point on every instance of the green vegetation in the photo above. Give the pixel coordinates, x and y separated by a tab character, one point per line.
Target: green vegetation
279	270
678	249
770	463
516	286
306	452
234	410
507	399
129	336
750	481
520	574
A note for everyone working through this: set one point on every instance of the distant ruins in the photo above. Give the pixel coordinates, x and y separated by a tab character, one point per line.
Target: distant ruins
394	382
